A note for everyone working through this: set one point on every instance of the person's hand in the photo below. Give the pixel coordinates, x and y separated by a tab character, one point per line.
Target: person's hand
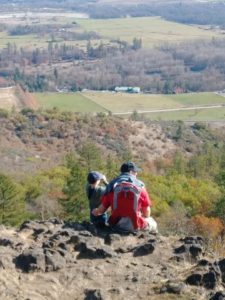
95	212
104	179
98	210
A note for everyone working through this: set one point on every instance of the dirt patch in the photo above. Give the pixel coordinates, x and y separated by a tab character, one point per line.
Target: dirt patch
15	97
8	98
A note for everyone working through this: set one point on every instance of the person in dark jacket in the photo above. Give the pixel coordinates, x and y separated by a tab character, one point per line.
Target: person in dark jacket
95	189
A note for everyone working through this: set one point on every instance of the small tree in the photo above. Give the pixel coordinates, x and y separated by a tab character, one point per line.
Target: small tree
208	227
220	204
74	201
137	44
220	209
12	205
135	116
111	167
91	156
43	191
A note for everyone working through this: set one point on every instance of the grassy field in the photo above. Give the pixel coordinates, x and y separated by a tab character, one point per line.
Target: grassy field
31	41
198	99
74	102
91	102
32	19
152	30
213	114
122	102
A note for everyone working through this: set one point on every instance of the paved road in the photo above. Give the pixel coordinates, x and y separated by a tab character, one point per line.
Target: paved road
169	109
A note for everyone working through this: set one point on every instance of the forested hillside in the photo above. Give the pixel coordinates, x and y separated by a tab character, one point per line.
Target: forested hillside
46	157
189	12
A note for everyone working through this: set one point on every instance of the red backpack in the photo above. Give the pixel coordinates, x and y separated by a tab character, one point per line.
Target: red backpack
125	202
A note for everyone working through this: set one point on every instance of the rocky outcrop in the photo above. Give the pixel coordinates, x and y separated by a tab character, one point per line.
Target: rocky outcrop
65	260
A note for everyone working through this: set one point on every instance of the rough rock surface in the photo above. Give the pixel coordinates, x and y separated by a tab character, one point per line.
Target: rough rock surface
61	260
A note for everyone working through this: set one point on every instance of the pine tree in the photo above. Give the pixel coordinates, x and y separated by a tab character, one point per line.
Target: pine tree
74	203
12	205
111	167
91	157
137	44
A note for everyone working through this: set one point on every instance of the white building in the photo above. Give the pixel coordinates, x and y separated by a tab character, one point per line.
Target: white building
127	89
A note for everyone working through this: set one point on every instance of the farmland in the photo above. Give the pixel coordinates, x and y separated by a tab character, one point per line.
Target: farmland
90	102
33	20
183	107
61	51
74	102
204	115
123	102
152	30
52	51
30	41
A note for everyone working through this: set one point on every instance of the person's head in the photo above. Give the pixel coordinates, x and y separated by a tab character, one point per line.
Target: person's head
94	177
129	167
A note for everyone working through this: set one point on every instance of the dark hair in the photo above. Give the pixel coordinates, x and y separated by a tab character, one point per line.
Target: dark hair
94	176
129	166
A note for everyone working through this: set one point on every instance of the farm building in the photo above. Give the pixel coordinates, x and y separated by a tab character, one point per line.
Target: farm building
128	89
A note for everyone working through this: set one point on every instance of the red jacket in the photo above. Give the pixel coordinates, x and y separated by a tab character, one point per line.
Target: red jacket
127	206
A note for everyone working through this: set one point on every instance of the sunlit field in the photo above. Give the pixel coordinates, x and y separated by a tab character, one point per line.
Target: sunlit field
187	106
74	102
152	30
125	102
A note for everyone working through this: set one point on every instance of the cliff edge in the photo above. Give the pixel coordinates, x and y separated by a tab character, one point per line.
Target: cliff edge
65	260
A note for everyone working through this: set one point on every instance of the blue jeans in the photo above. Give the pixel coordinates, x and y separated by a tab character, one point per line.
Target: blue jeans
99	220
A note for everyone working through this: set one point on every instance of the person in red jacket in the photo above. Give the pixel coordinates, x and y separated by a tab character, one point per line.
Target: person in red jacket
129	201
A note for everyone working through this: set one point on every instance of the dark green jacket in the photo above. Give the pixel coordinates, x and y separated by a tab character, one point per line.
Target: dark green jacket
94	195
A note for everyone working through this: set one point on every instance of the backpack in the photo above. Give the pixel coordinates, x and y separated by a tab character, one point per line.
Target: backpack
125	205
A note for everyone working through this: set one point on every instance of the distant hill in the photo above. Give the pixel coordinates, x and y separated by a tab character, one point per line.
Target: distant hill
35	140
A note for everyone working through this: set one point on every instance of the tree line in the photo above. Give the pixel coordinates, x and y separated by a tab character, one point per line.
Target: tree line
187	67
204	13
56	32
20	64
189	13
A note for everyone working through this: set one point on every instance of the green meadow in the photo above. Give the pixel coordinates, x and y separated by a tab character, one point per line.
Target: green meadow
124	102
75	102
93	102
198	99
212	114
